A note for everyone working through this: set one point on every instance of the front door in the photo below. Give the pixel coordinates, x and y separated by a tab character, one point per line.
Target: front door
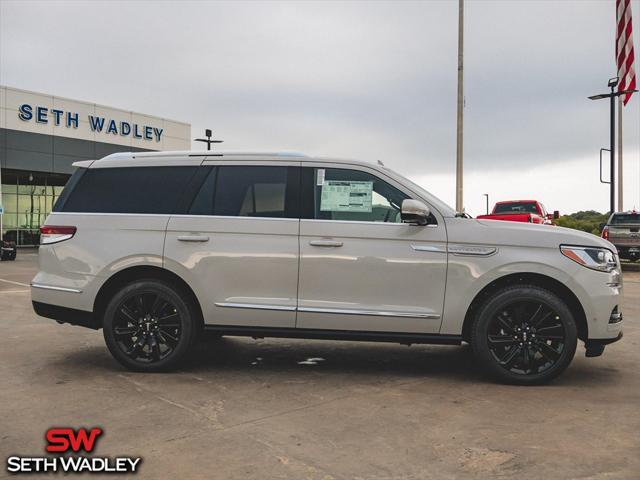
238	245
361	268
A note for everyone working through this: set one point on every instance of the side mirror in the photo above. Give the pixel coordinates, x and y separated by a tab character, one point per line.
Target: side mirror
556	214
601	226
414	212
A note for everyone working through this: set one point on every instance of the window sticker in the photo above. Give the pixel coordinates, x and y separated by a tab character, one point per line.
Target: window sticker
320	180
346	196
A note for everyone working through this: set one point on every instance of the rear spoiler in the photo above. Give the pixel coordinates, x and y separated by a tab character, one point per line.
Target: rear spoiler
83	163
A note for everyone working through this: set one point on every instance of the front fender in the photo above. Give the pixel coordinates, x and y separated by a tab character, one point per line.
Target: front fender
467	276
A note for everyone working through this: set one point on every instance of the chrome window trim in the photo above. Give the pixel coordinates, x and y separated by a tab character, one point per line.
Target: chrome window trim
179	215
57	289
356	222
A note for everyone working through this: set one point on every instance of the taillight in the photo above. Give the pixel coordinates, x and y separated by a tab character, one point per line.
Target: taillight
54	234
605	233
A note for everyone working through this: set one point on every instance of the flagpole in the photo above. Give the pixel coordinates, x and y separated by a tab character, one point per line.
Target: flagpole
459	124
620	175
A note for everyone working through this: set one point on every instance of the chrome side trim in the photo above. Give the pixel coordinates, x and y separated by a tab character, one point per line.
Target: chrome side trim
429	248
57	289
256	306
327	310
368	312
472	250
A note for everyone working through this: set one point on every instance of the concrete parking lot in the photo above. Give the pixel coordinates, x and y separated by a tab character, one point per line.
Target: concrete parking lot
265	409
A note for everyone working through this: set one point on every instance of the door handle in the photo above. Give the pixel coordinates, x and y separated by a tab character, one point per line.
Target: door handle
193	238
325	243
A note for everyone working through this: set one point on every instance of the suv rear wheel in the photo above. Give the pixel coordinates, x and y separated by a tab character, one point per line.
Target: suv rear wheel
524	335
149	326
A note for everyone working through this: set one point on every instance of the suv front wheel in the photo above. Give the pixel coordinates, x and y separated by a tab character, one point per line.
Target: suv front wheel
524	335
148	326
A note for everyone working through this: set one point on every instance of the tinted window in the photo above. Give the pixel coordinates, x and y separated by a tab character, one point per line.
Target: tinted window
621	218
129	190
516	207
352	195
251	191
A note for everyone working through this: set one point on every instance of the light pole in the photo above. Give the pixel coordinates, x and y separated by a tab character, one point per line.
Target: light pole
208	141
460	108
487	199
613	82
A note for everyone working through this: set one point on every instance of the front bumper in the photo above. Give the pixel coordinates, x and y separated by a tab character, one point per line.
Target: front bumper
595	346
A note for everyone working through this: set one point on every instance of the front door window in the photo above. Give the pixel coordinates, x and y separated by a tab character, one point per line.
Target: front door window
353	195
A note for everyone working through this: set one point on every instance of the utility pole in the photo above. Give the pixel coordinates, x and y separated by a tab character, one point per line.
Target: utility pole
459	144
620	176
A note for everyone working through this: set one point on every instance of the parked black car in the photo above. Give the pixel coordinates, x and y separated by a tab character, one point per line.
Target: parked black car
8	250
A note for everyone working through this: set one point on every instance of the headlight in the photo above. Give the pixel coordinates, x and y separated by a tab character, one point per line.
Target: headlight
596	258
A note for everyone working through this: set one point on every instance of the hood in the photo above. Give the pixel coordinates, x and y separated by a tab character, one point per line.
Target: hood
498	232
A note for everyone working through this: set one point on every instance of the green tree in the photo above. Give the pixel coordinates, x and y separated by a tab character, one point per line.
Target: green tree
587	221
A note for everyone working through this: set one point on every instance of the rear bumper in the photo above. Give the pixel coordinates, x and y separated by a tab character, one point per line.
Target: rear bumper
66	315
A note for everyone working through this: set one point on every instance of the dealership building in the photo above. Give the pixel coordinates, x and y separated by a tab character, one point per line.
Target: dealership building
42	135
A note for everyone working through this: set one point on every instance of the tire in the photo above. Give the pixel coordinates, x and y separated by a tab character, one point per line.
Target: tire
524	335
150	326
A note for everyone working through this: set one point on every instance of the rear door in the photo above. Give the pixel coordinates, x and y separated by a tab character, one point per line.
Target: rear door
361	268
238	245
121	213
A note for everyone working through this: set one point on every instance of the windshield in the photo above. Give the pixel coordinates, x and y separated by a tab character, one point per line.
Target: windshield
516	207
620	218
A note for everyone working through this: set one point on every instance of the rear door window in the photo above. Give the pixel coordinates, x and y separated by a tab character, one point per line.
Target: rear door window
249	191
151	190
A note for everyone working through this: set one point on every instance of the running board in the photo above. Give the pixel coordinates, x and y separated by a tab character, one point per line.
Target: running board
320	334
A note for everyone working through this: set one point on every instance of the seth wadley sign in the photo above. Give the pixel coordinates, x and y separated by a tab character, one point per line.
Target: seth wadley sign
40	114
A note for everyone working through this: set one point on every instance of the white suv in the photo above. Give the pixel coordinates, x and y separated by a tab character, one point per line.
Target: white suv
156	247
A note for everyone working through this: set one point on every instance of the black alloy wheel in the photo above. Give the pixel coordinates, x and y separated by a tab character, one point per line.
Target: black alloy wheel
148	326
525	335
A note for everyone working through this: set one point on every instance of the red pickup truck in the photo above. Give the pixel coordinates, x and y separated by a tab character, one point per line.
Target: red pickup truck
530	211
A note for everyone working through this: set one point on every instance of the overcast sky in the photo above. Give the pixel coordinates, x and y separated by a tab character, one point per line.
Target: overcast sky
365	80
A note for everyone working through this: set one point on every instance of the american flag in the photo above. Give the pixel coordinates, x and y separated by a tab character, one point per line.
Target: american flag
624	48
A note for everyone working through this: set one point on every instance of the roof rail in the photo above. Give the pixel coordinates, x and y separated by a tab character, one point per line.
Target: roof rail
209	154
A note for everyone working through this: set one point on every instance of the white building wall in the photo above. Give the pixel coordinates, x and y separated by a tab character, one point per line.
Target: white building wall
175	135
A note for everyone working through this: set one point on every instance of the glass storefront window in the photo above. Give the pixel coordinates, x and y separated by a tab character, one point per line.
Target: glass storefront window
27	200
9	201
10	220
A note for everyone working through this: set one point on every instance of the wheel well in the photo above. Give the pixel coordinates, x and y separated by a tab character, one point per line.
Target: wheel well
129	275
538	280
